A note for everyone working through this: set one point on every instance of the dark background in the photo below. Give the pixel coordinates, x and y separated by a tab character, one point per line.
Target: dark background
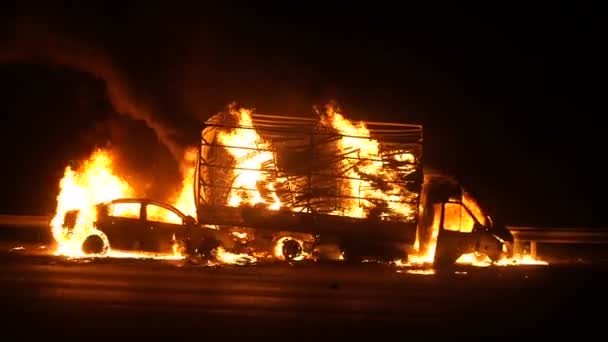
511	99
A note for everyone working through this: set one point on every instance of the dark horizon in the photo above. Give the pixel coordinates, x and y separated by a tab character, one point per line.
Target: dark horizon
510	101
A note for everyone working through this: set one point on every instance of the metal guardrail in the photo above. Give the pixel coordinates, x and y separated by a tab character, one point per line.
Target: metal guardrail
560	235
520	233
25	220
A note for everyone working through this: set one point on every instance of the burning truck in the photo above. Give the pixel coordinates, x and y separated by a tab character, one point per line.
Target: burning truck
304	187
293	188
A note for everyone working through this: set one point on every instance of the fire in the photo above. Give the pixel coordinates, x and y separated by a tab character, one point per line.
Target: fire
474	259
480	260
427	255
132	255
240	235
93	183
251	153
233	258
423	272
184	200
424	258
362	157
521	260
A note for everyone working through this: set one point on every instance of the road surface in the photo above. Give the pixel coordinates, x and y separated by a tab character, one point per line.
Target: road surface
91	298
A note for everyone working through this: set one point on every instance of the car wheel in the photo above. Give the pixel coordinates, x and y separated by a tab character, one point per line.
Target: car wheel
95	244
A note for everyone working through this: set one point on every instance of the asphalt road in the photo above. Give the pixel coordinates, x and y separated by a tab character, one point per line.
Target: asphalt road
91	298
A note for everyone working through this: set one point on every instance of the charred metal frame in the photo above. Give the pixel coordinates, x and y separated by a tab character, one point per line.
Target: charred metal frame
304	135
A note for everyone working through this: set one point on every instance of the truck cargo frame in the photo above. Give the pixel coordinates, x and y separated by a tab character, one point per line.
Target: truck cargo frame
306	138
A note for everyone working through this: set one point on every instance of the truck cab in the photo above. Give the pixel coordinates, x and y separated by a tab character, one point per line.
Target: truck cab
452	216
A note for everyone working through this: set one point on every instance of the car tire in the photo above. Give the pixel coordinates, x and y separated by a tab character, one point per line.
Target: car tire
95	244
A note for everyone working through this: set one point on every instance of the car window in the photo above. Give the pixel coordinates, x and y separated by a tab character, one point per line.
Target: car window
126	210
159	214
457	218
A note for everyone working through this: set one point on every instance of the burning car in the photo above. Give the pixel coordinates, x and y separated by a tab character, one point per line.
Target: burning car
143	225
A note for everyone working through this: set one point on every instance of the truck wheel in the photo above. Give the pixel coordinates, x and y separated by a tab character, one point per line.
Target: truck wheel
292	249
288	248
207	248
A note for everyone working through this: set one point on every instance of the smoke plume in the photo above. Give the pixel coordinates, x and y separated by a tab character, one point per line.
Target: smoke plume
40	43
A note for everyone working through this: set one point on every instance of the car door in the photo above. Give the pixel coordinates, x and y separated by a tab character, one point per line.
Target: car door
163	226
456	233
122	225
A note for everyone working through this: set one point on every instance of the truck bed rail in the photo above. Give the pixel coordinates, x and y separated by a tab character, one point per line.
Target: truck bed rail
309	170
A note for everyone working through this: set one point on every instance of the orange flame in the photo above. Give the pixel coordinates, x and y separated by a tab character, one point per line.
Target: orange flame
475	259
82	189
226	257
426	256
363	157
250	153
184	200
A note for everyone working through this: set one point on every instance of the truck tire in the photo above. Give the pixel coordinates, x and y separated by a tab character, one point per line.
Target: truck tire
291	249
206	249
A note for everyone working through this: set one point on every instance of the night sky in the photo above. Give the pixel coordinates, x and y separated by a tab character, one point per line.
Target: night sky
512	100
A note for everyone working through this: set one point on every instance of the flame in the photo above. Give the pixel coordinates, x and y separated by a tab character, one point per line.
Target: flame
525	259
423	271
184	199
241	235
362	157
128	255
427	255
474	259
250	153
226	257
82	189
481	260
176	247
